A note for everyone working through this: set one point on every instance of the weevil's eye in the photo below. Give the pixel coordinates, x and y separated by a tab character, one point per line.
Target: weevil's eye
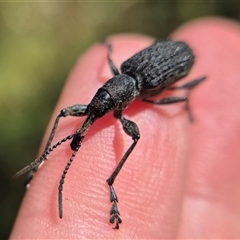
101	104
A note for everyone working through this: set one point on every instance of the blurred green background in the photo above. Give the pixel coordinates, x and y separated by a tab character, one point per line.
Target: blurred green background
39	44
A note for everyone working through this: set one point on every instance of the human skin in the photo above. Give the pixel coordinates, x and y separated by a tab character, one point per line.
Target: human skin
181	181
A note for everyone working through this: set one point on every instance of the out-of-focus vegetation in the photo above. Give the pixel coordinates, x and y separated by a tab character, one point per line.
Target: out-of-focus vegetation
39	44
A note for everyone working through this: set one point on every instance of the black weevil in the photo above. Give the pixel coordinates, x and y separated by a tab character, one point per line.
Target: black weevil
146	74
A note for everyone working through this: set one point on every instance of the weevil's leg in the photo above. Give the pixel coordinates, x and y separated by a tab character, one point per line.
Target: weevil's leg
110	62
132	130
77	110
189	85
34	165
169	100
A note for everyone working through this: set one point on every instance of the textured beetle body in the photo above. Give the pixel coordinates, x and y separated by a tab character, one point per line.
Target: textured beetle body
158	66
146	74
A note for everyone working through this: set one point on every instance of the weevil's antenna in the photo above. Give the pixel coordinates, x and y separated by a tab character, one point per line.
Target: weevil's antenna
34	165
60	187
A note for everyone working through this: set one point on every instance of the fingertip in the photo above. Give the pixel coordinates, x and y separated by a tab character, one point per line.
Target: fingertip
205	29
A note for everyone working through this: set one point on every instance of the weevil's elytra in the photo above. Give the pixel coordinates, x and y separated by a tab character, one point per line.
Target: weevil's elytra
148	73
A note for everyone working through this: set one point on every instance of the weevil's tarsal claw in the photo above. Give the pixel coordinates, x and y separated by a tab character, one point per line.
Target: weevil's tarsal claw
117	219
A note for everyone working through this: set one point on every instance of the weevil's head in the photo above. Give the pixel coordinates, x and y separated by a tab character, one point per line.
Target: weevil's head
101	104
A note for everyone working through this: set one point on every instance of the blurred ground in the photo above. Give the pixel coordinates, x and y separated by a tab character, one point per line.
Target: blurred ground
39	44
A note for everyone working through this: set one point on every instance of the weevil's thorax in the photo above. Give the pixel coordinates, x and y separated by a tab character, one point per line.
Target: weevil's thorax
159	66
123	89
116	93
